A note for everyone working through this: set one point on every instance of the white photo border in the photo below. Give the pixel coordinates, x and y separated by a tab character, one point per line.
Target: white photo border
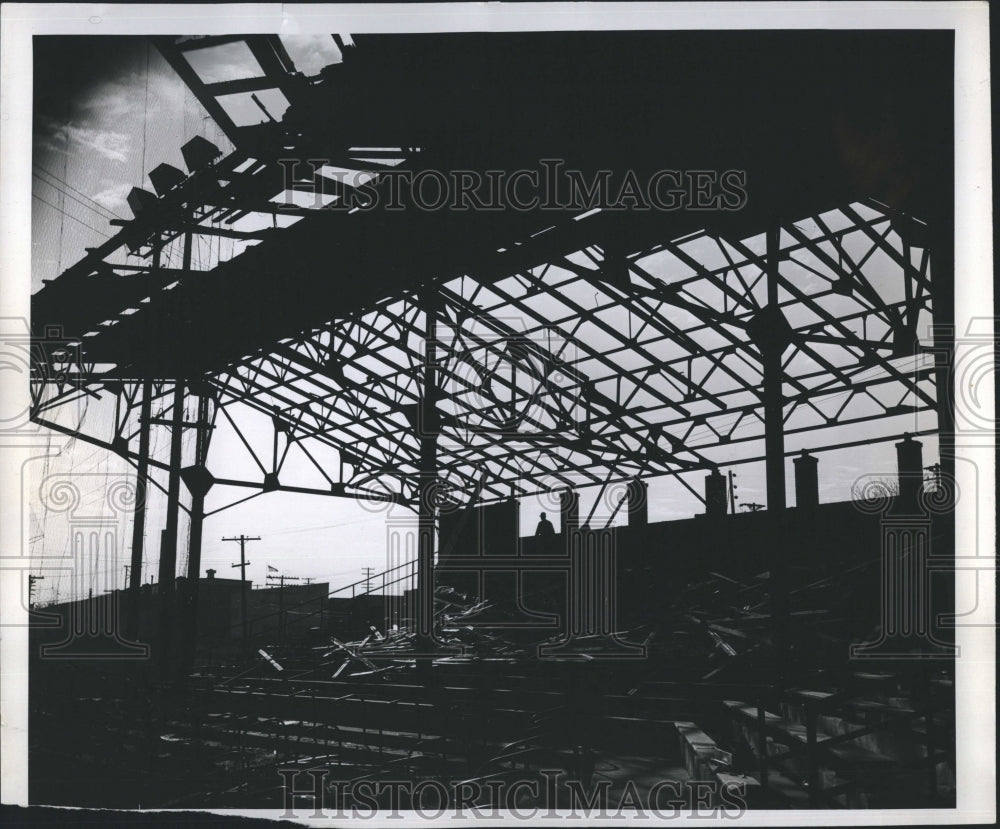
974	304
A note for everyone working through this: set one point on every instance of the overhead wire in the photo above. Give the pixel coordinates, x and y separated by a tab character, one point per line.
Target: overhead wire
68	215
62	209
145	113
66	194
80	193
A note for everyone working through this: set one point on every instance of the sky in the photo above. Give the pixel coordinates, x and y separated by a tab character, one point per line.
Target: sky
96	136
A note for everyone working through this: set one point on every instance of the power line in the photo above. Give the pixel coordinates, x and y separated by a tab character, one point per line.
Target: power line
68	215
335	525
65	195
74	189
145	112
62	220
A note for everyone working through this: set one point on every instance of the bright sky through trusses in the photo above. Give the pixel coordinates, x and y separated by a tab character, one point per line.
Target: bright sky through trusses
88	153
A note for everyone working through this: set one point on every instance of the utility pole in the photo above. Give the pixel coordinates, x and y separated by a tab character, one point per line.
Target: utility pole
935	470
367	571
243	539
126	576
281	598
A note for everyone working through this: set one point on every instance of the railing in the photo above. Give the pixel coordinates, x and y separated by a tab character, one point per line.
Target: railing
814	751
410	566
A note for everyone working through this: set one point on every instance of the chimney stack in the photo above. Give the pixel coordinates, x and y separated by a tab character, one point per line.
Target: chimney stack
806	481
638	503
715	494
569	510
910	458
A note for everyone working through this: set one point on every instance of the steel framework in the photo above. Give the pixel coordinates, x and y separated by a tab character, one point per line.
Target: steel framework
479	356
651	365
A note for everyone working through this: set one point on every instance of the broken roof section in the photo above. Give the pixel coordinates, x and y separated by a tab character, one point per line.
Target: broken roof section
248	80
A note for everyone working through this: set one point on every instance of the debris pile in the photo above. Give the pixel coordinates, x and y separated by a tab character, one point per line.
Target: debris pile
716	627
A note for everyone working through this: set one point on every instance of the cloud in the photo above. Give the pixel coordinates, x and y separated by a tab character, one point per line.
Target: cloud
113	197
111	145
310	53
63	138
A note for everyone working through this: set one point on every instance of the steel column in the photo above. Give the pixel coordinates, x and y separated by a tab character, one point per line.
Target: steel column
139	515
774	427
168	547
198	484
772	345
427	425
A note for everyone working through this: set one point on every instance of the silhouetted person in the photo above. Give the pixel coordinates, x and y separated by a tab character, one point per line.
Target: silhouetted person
544	528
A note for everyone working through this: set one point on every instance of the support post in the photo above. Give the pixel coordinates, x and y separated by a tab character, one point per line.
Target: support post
139	516
198	482
772	349
427	424
168	549
772	334
142	473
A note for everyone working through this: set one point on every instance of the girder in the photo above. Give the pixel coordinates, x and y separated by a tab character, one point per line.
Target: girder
617	343
524	394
